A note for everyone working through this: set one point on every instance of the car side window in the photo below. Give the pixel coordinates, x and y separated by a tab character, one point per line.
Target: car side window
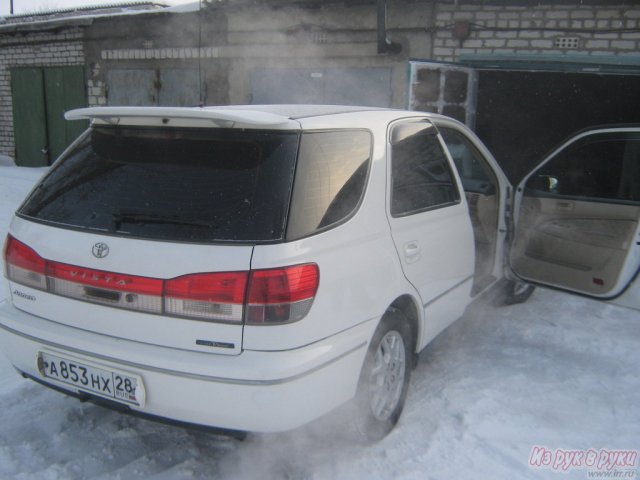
475	173
420	172
599	166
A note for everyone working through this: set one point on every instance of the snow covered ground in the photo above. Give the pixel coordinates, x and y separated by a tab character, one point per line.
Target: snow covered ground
559	371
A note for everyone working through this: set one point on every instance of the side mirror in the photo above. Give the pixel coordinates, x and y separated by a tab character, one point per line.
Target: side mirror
543	183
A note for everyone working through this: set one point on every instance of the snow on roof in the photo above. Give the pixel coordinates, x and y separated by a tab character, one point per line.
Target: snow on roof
185	7
85	12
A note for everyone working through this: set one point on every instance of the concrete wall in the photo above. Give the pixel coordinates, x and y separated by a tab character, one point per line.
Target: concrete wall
237	40
37	49
156	41
331	36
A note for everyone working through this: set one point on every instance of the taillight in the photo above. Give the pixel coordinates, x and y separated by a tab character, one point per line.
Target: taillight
218	296
278	295
23	265
281	295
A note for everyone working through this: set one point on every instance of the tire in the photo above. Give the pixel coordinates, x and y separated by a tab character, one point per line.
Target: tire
384	380
514	292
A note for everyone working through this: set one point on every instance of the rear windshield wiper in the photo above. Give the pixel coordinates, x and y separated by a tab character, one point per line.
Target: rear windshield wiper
151	218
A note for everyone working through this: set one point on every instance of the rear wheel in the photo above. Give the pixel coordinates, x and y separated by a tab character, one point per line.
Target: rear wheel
384	380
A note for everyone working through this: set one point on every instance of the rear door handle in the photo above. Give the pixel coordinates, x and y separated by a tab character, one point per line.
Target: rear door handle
412	251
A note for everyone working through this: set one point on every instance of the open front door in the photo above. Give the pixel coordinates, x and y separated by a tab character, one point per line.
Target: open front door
578	215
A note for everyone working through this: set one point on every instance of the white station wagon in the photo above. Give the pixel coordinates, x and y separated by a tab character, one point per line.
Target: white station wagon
253	268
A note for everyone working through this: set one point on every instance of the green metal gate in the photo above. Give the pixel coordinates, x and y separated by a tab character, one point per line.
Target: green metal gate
40	98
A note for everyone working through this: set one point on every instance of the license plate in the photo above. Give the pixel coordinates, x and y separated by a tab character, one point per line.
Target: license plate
105	382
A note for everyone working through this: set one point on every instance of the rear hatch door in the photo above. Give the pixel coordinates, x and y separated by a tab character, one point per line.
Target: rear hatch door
147	232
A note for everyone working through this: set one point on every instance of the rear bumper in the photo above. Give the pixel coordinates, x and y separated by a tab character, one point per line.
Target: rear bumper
254	391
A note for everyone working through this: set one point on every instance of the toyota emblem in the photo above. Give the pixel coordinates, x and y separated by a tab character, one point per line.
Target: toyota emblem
100	250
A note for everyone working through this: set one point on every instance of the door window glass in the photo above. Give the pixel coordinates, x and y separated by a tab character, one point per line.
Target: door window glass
421	175
599	166
475	173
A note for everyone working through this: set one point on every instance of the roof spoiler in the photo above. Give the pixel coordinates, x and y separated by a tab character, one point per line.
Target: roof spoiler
218	116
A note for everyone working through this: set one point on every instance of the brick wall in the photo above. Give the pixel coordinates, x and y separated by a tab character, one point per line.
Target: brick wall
542	29
38	49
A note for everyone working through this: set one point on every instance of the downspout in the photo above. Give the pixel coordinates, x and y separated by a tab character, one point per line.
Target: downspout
384	44
430	26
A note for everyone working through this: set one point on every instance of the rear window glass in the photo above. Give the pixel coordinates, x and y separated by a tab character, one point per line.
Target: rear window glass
191	185
330	180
